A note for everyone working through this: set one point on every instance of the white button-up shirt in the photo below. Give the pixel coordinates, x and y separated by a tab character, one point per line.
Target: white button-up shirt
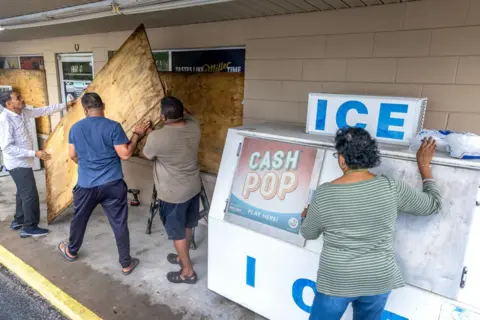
16	136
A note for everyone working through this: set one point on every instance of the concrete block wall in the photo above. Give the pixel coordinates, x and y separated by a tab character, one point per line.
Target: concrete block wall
425	48
417	49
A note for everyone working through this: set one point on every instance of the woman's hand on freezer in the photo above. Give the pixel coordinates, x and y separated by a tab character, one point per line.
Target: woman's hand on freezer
424	157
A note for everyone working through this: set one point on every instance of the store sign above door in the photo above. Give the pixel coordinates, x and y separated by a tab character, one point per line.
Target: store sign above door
388	119
217	60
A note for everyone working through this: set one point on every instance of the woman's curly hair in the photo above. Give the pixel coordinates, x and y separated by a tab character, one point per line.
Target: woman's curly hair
358	148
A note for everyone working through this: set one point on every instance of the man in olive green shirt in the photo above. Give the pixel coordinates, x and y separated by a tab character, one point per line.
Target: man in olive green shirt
174	149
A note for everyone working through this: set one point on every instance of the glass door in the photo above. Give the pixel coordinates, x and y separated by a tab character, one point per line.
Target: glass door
76	73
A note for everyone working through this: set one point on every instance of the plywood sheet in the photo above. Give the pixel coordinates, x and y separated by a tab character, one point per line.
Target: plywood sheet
131	90
32	85
215	99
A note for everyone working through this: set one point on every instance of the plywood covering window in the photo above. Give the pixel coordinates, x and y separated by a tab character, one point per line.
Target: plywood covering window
32	85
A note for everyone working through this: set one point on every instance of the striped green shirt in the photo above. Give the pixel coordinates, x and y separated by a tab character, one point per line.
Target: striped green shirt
358	224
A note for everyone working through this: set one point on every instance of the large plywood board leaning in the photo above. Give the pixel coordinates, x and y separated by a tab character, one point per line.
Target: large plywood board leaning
216	101
131	90
32	85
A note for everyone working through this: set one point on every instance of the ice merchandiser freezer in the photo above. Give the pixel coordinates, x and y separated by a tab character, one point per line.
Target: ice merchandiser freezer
258	259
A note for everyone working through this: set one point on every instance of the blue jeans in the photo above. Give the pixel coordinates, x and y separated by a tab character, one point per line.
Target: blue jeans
364	308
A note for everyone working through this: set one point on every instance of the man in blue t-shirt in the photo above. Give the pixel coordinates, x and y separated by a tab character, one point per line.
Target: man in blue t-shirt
97	144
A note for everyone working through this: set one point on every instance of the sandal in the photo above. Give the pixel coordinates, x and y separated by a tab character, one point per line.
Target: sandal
173	259
176	277
64	253
135	262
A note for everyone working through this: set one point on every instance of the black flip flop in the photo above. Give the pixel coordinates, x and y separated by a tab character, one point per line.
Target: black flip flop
64	251
175	277
134	264
174	259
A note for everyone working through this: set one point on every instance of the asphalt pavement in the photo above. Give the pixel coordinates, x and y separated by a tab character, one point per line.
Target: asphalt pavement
19	302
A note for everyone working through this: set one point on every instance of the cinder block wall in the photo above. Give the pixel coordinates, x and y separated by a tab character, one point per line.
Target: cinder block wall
417	49
424	48
428	48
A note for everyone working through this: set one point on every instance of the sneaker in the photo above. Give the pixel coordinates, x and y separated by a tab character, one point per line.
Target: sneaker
15	226
33	232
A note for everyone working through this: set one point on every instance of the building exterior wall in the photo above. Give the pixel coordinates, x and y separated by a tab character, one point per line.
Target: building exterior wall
418	49
429	48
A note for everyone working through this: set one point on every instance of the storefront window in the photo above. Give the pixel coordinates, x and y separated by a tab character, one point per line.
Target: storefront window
22	62
162	60
9	63
199	60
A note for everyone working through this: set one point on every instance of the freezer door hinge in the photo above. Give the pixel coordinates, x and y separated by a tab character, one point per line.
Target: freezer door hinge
226	205
239	149
463	279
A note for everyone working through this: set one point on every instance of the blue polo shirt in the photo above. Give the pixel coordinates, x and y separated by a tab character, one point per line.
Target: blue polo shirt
95	139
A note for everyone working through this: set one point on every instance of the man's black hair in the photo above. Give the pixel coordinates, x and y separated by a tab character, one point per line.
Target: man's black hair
91	100
5	96
172	108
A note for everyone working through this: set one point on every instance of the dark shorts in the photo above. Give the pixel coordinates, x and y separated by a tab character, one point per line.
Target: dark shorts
177	217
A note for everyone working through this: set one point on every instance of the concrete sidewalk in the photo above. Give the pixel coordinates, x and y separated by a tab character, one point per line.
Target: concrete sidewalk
95	279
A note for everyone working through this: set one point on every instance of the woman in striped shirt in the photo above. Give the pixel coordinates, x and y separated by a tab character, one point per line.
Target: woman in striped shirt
356	214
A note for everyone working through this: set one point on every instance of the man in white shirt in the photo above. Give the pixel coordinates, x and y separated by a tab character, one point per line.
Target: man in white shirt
18	154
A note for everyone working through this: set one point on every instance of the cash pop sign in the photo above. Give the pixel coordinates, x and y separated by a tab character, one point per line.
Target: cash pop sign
272	183
388	119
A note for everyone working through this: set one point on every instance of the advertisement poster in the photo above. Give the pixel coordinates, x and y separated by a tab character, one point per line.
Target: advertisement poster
32	63
272	186
10	63
222	60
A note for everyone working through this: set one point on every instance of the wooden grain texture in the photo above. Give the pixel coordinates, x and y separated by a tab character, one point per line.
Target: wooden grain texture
130	87
32	85
215	99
